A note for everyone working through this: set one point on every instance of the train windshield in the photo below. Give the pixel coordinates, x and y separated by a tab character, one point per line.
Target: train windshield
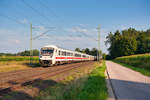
47	51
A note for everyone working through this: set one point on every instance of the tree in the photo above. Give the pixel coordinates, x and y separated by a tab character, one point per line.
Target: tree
27	53
87	51
127	46
143	43
77	49
128	42
94	52
35	52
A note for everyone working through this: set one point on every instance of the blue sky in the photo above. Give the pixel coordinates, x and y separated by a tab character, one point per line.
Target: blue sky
74	22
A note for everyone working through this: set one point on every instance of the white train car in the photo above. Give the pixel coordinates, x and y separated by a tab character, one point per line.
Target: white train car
52	55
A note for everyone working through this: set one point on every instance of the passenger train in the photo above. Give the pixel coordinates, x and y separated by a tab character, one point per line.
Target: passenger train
53	55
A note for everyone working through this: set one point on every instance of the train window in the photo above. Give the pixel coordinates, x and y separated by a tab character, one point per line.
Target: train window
71	54
68	53
77	55
84	56
59	53
47	51
63	53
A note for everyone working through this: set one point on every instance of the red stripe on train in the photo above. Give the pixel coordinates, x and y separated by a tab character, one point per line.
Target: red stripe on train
70	58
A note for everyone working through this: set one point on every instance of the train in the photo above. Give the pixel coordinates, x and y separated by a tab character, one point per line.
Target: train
53	55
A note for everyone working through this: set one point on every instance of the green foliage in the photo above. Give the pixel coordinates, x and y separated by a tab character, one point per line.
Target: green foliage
90	87
77	49
104	56
128	42
95	87
87	51
27	53
140	63
17	58
7	54
93	51
23	53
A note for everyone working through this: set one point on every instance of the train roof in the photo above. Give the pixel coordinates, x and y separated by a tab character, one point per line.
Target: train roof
54	46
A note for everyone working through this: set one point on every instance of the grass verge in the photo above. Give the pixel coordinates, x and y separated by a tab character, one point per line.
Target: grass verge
88	87
141	70
95	87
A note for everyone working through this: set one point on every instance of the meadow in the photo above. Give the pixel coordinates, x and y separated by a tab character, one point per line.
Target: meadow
11	63
140	62
17	58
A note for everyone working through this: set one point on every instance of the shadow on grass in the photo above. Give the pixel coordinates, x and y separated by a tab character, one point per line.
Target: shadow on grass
41	85
15	95
33	65
90	90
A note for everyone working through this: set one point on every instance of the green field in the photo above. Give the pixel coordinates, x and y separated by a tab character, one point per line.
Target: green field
17	58
140	63
12	63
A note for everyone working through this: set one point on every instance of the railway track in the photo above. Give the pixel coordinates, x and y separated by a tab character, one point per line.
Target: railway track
18	79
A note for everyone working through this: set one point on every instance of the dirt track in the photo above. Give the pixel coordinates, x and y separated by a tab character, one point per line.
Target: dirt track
16	79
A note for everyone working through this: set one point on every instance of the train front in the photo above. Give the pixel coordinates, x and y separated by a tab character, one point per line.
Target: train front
46	56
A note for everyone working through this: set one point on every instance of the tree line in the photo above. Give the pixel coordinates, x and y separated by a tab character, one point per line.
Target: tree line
128	42
93	51
23	53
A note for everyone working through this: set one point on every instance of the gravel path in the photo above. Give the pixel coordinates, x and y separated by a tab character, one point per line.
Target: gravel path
128	84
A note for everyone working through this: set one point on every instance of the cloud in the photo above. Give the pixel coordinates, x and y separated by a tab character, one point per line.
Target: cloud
13	40
73	38
89	36
17	41
24	21
78	29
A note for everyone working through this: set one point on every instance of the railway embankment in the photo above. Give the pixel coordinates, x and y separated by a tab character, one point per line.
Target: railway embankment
69	81
84	84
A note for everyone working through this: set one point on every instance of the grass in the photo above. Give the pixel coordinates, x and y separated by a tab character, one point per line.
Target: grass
140	63
11	63
17	58
95	87
91	86
6	66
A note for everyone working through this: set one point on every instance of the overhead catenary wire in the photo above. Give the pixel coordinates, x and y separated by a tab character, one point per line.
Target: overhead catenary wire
44	5
88	36
40	35
35	10
13	19
18	21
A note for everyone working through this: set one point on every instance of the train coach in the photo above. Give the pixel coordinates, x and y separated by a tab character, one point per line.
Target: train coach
53	55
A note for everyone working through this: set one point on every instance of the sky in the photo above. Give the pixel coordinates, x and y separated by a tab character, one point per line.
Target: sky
69	23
